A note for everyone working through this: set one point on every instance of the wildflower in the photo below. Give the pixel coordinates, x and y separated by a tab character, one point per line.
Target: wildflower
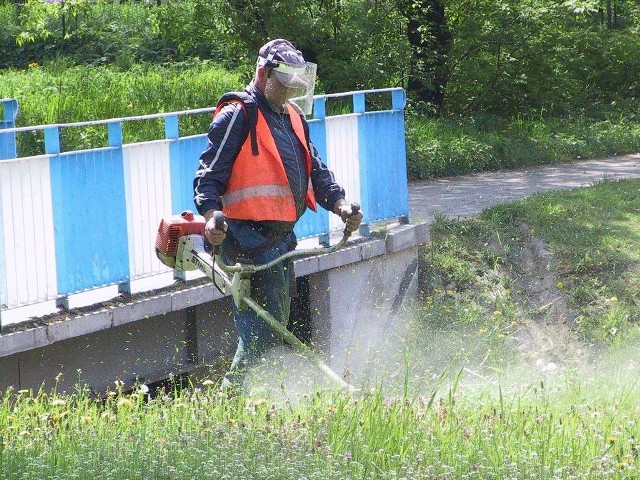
497	313
560	285
86	420
124	402
58	402
207	382
143	389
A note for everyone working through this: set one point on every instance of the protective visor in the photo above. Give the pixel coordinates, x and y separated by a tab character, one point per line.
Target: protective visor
299	81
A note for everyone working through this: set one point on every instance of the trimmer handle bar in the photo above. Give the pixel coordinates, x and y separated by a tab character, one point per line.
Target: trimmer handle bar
250	268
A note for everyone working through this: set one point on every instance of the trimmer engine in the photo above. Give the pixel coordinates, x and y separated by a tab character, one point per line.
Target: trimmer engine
170	231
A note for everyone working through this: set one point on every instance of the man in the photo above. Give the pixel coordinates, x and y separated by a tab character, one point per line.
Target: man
261	170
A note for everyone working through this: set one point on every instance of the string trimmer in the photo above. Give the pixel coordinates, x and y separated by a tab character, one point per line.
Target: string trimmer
180	245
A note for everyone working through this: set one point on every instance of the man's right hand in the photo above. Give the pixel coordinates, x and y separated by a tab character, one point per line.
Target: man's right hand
211	233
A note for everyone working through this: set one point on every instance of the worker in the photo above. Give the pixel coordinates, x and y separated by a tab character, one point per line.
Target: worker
262	171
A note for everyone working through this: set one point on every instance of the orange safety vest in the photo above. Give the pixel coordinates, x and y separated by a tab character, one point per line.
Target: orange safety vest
258	188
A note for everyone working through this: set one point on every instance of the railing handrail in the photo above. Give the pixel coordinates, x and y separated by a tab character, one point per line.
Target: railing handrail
153	116
358	92
87	123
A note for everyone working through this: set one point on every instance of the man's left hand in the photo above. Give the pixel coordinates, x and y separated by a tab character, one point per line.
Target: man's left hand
352	220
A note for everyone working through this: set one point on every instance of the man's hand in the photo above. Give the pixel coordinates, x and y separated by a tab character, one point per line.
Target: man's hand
352	221
211	233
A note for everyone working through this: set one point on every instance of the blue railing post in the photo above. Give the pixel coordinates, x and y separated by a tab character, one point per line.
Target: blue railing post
115	134
398	99
52	140
318	131
171	127
359	103
359	106
8	140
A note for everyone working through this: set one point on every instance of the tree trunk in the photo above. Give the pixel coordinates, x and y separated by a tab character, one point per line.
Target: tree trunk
430	40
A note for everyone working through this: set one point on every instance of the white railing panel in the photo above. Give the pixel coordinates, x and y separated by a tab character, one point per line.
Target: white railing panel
28	232
343	158
148	191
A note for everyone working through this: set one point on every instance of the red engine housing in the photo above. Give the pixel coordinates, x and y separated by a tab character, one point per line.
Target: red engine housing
171	229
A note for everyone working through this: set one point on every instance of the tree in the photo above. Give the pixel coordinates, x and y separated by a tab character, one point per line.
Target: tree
430	40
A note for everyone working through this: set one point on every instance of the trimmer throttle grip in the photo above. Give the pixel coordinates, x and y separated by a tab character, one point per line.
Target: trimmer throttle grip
218	224
218	220
355	208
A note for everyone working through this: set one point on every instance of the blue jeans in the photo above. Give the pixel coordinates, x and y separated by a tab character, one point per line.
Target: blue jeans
270	288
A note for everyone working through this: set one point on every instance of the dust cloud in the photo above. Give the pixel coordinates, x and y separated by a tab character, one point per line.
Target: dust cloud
402	355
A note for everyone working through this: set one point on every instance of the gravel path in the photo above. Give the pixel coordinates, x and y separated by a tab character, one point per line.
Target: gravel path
468	195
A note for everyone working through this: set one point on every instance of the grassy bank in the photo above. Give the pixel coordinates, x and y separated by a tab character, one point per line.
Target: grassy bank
571	257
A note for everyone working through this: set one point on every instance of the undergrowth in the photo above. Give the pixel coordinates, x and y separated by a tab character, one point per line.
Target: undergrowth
473	270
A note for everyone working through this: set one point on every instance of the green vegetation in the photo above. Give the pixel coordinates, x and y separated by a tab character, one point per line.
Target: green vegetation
473	394
437	147
480	97
570	256
551	428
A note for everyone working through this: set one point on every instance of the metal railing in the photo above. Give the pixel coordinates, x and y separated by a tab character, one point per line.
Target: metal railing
78	222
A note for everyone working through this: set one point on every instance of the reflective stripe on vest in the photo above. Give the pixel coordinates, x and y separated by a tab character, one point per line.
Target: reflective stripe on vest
258	188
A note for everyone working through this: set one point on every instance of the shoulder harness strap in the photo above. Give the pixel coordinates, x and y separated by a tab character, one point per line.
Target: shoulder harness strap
250	107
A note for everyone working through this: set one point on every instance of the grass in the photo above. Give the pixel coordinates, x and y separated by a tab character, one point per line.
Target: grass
59	93
481	270
438	147
467	402
564	428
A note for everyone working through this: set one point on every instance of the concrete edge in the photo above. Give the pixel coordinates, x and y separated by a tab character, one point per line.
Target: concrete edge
398	237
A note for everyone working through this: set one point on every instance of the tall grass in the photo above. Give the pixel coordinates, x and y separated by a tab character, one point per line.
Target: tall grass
437	147
564	428
63	94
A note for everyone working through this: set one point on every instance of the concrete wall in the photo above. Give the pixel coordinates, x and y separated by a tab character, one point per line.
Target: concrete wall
351	298
355	308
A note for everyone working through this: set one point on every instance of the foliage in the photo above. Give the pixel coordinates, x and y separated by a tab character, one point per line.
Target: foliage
479	142
477	268
503	57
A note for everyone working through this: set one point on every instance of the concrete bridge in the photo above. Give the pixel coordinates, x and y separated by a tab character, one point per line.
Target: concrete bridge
83	294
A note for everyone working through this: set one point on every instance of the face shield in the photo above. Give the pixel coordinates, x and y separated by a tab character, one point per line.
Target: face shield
290	83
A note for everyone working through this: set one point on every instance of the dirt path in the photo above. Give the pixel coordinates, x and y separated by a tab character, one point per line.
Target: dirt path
469	195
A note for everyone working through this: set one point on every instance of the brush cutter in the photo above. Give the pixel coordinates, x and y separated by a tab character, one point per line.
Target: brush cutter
180	245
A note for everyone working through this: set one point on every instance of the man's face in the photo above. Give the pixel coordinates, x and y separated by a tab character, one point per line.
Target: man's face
278	94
